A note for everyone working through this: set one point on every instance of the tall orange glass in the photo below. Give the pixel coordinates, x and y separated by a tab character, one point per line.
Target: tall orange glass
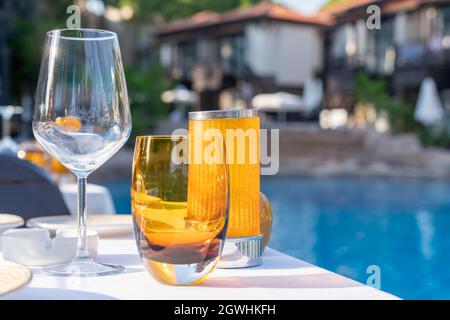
240	131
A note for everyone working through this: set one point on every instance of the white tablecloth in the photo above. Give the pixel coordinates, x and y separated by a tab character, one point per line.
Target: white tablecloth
99	199
280	277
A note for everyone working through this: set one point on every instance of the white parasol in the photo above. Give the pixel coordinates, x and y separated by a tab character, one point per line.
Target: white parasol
429	110
311	99
179	95
280	100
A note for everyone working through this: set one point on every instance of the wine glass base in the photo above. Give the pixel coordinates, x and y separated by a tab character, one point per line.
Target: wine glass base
83	268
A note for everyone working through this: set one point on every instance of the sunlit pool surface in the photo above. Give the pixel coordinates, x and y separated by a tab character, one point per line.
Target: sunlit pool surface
346	225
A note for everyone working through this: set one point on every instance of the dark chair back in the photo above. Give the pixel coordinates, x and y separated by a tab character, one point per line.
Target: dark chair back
27	190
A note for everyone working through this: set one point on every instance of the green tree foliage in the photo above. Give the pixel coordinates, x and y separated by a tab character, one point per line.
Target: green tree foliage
144	89
400	114
375	92
26	37
435	136
177	9
332	2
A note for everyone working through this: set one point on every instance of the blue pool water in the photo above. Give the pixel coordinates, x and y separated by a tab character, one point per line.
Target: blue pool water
347	224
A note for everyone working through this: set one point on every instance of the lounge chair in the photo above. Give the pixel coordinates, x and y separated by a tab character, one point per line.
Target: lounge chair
27	190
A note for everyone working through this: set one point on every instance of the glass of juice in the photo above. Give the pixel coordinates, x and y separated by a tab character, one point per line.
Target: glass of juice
240	132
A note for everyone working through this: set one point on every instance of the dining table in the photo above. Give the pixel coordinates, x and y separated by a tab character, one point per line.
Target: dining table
280	277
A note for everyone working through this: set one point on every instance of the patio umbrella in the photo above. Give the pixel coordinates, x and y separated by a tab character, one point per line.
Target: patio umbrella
275	101
179	95
311	98
429	110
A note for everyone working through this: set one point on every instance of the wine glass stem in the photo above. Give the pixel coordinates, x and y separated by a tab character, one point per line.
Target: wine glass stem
82	251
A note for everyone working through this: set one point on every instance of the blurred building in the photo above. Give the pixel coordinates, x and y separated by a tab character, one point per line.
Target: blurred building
413	43
237	54
10	11
5	52
135	37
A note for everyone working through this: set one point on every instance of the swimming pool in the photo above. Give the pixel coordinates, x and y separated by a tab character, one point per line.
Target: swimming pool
348	224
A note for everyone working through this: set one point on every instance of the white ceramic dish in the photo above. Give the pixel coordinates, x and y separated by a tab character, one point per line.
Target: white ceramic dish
9	221
104	225
35	247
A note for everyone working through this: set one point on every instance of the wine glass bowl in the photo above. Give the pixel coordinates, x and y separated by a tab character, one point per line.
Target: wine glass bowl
82	150
82	113
82	116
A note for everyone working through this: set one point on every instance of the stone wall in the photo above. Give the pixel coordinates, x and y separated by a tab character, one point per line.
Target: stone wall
310	151
316	152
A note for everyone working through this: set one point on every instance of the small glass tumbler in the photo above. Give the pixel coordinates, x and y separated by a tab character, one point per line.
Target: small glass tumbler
180	209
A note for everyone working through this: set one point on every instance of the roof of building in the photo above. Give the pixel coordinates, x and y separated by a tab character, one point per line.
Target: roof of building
391	6
262	10
344	6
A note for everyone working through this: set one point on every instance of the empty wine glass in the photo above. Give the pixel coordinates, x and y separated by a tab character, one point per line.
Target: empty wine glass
82	117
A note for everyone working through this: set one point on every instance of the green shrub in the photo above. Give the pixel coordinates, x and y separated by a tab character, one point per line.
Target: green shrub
144	91
400	114
375	91
439	137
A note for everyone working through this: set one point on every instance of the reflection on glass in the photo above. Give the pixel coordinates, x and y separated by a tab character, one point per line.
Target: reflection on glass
33	152
266	219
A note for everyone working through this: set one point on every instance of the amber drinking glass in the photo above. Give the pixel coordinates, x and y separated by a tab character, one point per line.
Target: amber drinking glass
180	209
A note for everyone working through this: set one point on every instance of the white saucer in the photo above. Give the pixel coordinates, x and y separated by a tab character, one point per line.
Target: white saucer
104	225
9	221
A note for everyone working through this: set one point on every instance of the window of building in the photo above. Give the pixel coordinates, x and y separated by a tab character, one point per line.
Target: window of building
338	43
186	58
385	48
232	54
